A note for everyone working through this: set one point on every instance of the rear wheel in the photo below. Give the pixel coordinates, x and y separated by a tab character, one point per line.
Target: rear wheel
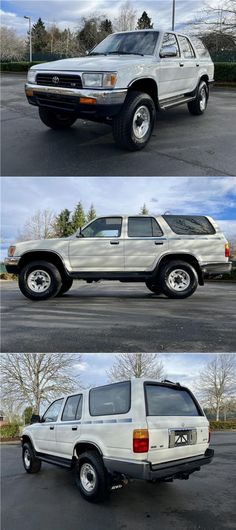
40	280
30	462
91	477
178	279
199	105
66	285
154	287
56	119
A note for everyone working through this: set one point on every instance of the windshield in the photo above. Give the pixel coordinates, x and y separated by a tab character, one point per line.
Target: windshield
137	43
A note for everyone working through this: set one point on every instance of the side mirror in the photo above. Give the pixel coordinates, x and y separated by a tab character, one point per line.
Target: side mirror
169	51
35	418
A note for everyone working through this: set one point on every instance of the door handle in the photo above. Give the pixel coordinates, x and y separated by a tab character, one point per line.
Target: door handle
51	428
74	428
114	242
197	65
181	64
159	243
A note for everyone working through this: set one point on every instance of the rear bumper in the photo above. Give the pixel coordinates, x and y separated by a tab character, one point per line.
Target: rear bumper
211	269
107	103
145	471
11	264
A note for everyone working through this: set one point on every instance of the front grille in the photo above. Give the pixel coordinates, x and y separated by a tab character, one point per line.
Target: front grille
59	80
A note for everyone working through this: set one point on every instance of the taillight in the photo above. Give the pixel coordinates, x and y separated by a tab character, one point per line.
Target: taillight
140	441
209	436
227	250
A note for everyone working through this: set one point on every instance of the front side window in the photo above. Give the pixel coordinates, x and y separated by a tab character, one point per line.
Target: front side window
140	43
169	39
168	401
143	227
185	224
73	408
52	412
103	227
186	47
110	399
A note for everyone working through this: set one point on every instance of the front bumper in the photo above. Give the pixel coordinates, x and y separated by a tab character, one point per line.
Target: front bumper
214	269
107	102
145	471
11	264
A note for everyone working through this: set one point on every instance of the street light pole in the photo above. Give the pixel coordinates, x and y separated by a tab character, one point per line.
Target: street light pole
173	16
30	36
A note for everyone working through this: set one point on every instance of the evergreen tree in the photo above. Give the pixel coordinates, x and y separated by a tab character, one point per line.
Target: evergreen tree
39	36
144	210
78	217
106	26
63	225
27	414
91	213
144	22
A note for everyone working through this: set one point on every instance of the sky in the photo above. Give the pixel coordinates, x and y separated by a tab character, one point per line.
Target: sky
67	13
23	196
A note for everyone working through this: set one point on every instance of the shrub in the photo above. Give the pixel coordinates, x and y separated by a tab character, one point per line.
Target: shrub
225	72
9	430
222	425
7	276
21	66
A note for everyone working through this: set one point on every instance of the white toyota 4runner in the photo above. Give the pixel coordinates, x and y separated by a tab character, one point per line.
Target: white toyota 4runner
138	429
124	81
172	254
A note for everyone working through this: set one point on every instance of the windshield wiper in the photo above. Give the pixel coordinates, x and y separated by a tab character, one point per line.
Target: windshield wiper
97	53
125	53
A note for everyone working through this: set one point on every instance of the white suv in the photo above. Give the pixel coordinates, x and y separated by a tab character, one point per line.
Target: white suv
172	254
123	82
140	429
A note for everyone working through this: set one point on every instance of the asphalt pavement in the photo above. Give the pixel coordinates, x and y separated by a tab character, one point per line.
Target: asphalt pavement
49	500
116	317
182	145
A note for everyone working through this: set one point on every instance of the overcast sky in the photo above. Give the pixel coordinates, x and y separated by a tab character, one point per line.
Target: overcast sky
67	13
23	196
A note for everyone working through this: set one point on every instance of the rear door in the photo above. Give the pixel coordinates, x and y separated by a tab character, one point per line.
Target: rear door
69	427
189	64
177	426
144	245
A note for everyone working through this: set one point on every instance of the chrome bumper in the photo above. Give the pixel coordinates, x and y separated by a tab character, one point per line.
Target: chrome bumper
103	97
11	261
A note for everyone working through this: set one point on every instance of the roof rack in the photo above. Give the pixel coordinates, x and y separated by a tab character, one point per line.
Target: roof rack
171	382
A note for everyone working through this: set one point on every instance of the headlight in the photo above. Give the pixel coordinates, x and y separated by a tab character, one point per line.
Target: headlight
11	251
31	76
100	80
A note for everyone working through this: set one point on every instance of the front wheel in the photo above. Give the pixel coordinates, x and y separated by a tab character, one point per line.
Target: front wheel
91	477
66	285
40	280
57	120
133	126
30	462
178	279
199	105
153	287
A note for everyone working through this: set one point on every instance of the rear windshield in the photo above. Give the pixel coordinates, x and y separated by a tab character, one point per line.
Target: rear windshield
110	399
167	401
185	224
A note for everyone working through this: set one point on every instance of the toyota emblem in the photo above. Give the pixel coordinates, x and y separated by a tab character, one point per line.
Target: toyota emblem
55	79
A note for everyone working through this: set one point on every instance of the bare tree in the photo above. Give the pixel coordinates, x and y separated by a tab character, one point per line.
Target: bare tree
36	379
12	46
39	226
126	20
137	365
220	19
217	382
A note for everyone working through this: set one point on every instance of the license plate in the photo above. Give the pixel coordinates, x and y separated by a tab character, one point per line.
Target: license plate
181	437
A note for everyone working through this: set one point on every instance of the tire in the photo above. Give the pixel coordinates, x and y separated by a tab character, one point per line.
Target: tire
91	463
66	285
127	133
30	462
154	287
56	119
171	275
199	105
40	280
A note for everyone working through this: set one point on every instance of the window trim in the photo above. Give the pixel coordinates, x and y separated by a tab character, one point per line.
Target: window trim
190	44
105	217
69	397
54	421
113	413
176	386
161	46
144	217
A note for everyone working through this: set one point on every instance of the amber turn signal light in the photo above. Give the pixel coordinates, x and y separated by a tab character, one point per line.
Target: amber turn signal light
88	101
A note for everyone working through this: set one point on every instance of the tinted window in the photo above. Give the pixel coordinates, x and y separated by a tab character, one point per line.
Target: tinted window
127	43
169	39
143	227
166	401
52	412
189	225
72	409
186	48
103	227
110	399
200	48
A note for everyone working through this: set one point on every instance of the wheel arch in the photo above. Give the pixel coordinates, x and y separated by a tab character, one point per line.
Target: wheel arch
44	255
25	438
147	85
84	446
188	258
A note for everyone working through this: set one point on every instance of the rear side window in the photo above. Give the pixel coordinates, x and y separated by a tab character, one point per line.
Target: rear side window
110	399
186	48
201	49
143	227
184	224
73	408
167	401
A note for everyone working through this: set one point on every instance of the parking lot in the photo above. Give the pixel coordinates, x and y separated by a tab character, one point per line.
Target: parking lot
181	144
111	316
50	500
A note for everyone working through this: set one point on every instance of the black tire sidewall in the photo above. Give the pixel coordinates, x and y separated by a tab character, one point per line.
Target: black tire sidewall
51	118
147	101
66	285
101	490
35	464
194	106
153	287
165	272
123	123
54	287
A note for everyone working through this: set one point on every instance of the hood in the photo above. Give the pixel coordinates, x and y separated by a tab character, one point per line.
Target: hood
96	63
